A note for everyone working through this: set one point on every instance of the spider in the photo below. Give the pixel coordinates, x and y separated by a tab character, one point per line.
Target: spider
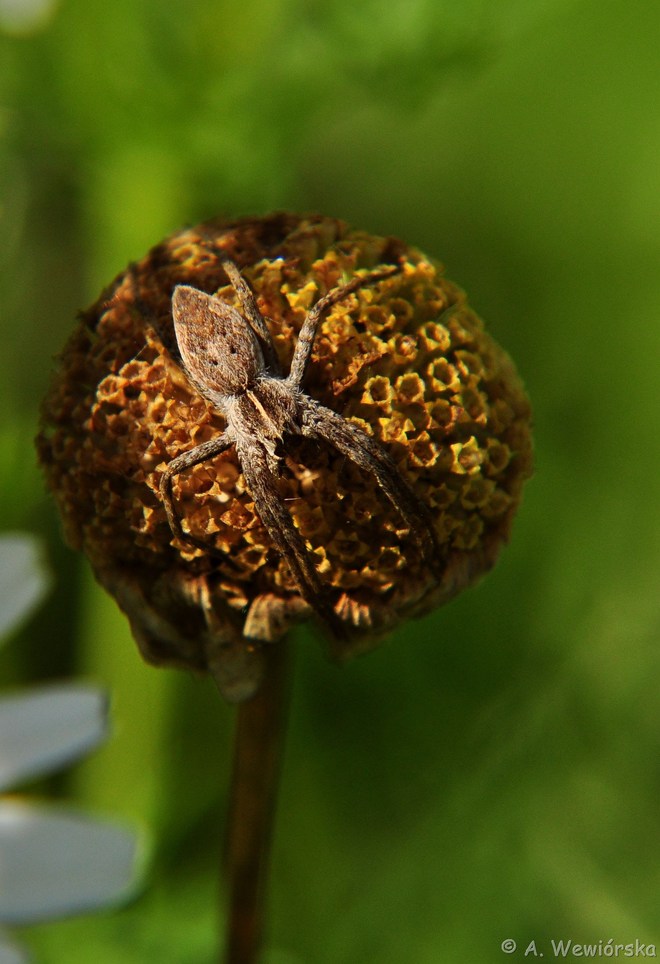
229	356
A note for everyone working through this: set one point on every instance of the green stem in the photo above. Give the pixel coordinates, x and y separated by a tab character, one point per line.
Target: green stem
258	746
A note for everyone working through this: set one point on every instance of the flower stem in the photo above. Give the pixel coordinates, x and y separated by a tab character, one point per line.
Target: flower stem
258	746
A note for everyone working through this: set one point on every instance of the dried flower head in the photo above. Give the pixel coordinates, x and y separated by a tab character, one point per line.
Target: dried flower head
405	360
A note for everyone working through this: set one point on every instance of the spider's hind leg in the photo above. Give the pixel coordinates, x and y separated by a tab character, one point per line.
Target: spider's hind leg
308	332
251	313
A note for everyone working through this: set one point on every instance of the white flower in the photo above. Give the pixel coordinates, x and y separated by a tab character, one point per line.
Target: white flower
53	861
24	580
22	17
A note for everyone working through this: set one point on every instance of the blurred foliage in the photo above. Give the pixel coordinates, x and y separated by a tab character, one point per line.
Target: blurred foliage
492	772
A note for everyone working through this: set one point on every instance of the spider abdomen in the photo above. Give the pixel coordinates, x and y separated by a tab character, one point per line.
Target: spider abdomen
219	351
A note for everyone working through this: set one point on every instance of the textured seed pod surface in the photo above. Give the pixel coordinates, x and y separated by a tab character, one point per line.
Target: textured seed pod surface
406	360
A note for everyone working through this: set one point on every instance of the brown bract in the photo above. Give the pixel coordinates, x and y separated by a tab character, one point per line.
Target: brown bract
406	360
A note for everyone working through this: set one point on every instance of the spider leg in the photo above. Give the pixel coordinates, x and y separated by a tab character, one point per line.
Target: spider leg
366	453
286	538
251	312
182	462
310	326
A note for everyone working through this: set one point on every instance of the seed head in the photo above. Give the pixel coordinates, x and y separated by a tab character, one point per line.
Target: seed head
406	360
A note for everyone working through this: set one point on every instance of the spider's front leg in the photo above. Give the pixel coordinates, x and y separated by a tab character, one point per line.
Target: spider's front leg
182	462
321	422
262	485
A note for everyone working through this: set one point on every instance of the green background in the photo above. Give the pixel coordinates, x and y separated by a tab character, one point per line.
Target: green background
492	771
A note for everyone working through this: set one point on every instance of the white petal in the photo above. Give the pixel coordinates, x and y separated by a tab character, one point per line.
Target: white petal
10	954
23	579
24	16
54	863
42	729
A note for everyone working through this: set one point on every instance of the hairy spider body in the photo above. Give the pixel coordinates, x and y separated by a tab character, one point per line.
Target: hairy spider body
230	358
